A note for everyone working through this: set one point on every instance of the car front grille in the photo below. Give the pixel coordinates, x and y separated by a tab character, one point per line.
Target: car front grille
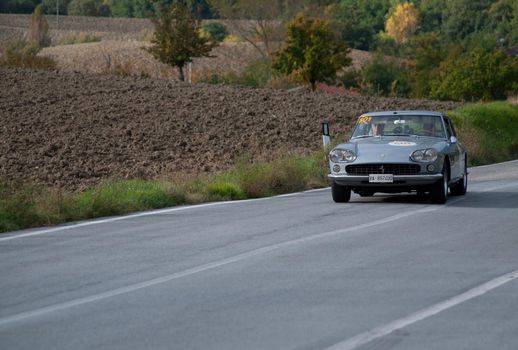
395	169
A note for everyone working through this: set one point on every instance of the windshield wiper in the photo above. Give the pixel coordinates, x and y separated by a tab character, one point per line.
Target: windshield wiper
399	135
364	136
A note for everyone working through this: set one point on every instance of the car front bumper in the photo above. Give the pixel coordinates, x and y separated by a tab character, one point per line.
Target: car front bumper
399	180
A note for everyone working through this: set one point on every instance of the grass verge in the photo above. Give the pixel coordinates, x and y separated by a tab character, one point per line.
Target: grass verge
28	205
488	130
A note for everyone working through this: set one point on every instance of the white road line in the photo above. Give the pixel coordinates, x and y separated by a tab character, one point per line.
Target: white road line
205	267
146	213
501	163
373	334
229	260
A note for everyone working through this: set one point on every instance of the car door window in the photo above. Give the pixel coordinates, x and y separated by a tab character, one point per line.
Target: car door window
448	128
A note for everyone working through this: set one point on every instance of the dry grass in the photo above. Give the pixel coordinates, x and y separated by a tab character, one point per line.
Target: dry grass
104	56
121	46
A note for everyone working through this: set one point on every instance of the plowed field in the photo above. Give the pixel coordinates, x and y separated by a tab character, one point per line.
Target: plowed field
73	130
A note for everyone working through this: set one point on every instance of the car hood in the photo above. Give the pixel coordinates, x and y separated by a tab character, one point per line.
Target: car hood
391	149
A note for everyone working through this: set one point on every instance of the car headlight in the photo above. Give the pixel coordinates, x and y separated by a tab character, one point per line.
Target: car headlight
424	155
342	155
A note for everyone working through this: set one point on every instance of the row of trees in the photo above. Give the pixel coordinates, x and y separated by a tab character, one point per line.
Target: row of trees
365	24
105	8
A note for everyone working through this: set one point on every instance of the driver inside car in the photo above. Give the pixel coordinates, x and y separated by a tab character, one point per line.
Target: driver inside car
376	129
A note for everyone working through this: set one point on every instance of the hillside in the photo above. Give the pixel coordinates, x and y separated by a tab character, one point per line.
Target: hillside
120	48
73	130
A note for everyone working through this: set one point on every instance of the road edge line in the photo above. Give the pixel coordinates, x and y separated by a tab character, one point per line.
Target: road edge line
384	330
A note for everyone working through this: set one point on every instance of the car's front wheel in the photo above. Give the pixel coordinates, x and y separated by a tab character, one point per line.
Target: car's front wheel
341	194
439	191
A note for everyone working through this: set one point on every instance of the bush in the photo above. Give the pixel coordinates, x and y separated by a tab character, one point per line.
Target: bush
490	131
120	197
216	31
215	77
231	38
19	53
284	175
25	205
351	78
224	191
476	75
257	74
38	30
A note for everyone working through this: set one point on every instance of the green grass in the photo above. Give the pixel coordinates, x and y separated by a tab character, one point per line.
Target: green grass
28	205
489	131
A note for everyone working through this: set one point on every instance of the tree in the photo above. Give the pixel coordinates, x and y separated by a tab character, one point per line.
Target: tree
503	20
312	51
464	17
256	22
143	8
431	15
403	23
381	77
177	40
88	8
18	6
426	56
476	75
39	28
361	21
49	6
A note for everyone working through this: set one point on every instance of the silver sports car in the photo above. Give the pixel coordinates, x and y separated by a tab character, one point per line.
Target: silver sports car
400	151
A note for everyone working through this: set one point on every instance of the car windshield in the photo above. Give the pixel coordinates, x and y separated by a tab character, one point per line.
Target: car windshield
397	125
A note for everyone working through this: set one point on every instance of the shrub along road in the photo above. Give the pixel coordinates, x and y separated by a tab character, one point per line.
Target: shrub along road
289	272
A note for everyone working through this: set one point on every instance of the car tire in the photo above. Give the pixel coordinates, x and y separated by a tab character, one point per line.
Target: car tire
439	191
461	187
341	194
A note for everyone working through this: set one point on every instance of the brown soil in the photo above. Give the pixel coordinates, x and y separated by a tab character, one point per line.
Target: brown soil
73	130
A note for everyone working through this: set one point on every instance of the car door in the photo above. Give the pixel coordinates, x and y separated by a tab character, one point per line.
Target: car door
454	151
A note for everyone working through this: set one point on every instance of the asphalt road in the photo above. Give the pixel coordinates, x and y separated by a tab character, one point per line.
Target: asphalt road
290	272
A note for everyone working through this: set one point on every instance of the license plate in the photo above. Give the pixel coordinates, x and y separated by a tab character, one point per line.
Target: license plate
381	178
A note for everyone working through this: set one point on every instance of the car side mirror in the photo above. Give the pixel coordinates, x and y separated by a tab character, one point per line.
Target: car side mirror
453	140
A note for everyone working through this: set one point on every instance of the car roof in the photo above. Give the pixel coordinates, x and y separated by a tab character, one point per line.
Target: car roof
385	113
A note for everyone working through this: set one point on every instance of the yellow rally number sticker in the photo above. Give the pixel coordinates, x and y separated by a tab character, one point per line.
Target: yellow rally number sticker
364	120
